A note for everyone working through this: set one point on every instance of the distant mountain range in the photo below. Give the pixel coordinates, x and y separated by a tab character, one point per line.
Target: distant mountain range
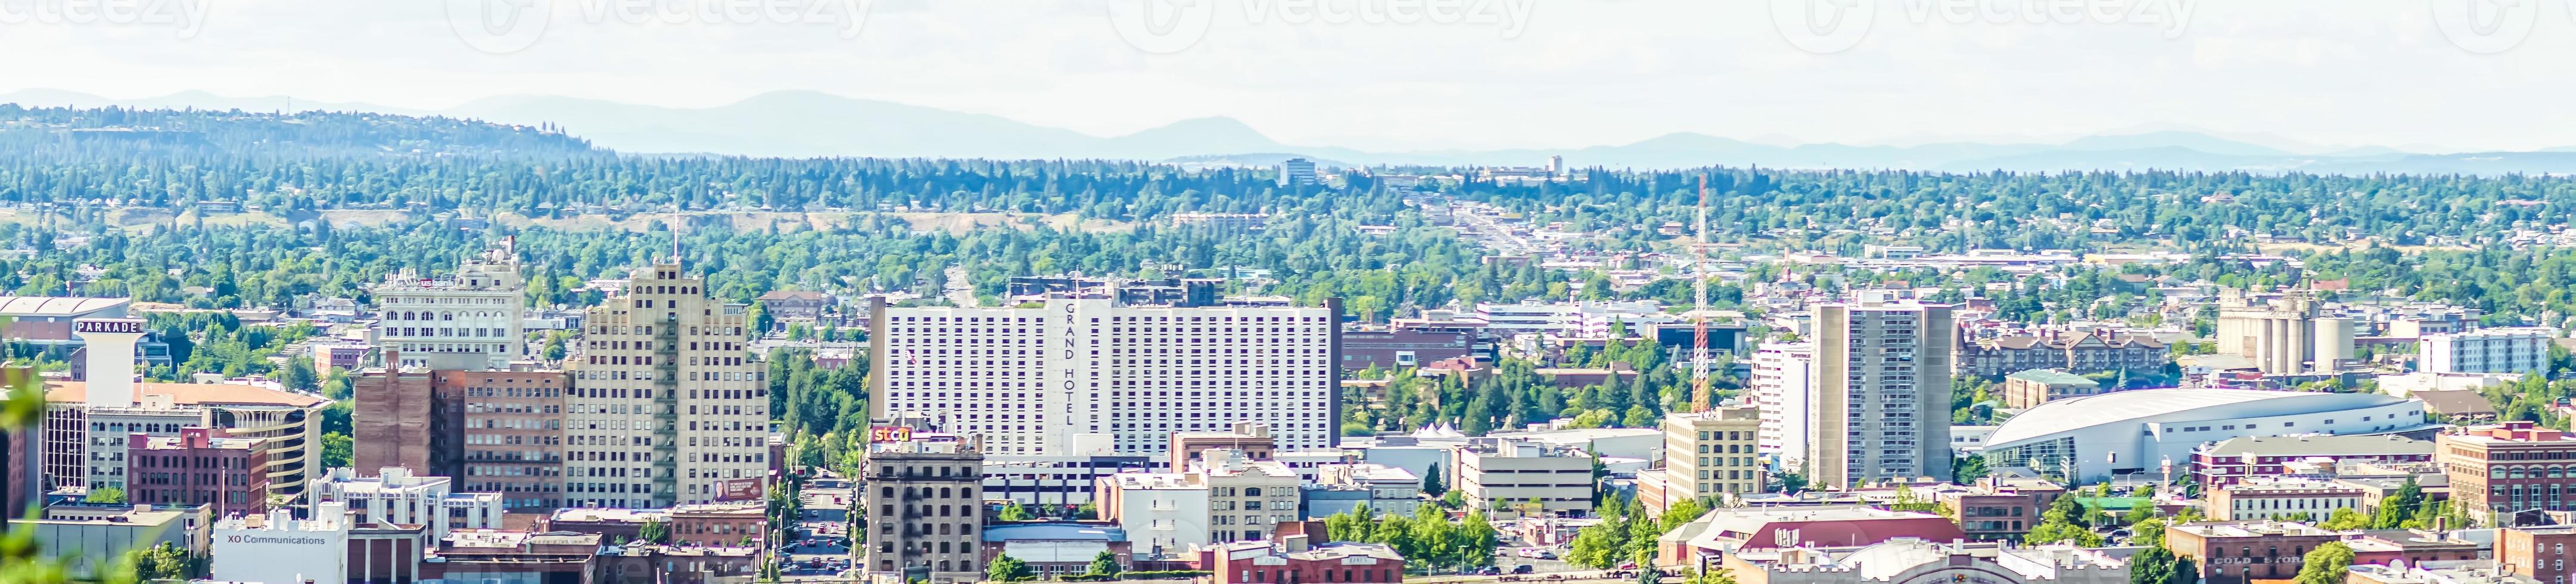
811	124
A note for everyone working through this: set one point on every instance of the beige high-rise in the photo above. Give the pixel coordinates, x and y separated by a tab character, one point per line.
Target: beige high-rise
1879	407
1711	454
667	406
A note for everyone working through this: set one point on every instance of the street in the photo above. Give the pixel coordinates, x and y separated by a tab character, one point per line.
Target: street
822	550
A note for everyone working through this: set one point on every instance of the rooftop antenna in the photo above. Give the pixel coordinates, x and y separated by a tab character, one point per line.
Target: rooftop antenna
1699	305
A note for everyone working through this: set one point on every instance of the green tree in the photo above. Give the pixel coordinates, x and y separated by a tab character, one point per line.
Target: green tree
106	495
2058	525
1009	569
298	375
1012	511
1682	513
2345	519
654	531
337	450
1105	564
164	562
1431	484
2328	564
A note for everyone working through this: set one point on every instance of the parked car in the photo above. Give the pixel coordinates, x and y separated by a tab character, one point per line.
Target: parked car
1524	569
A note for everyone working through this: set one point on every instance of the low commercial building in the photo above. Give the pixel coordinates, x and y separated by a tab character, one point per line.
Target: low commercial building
1511	479
2236	459
1222	498
2275	498
277	547
1911	560
1998	508
675	564
2028	389
719	524
1294	562
1057	548
90	531
1740	530
492	555
1390	490
2244	552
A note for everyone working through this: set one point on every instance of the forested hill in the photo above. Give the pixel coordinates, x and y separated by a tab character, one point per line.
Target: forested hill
112	131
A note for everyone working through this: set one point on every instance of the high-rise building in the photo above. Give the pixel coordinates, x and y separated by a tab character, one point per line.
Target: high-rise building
1879	407
1035	381
1781	374
466	320
2495	350
924	518
1297	172
493	431
666	406
1710	454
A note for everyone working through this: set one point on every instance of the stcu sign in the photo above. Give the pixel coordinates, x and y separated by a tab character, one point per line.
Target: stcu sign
108	326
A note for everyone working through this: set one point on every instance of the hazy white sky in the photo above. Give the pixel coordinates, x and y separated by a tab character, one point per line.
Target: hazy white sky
1495	73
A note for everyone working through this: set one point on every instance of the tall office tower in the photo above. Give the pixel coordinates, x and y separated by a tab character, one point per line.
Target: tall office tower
467	320
1030	381
922	509
666	406
1880	407
1781	374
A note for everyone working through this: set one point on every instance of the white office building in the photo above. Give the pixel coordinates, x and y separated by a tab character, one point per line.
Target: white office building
1297	172
2131	433
1576	319
277	547
466	320
1780	379
1038	381
394	495
2495	350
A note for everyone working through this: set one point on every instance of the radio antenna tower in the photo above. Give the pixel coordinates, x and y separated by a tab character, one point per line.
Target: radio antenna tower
1700	397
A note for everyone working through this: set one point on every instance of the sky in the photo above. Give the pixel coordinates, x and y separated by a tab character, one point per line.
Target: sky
1398	74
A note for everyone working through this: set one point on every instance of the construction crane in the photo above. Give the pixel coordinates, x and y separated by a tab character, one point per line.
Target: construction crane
1700	396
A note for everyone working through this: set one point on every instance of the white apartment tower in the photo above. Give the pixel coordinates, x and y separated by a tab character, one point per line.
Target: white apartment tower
1038	381
1880	404
2495	350
1780	380
467	320
667	406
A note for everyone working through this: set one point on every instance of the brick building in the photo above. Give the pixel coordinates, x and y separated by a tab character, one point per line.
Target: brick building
492	431
1293	562
2515	466
1996	508
2090	352
2028	389
202	466
783	305
2232	461
2243	552
2538	553
718	524
2282	498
